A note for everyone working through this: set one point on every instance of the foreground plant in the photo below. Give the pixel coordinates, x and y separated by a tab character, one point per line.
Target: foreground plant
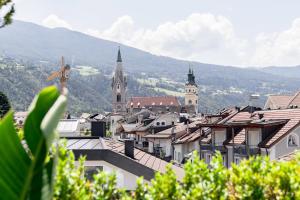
26	171
27	168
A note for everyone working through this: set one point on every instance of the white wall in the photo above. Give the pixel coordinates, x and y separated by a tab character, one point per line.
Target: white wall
220	136
254	136
178	149
282	148
165	144
167	119
113	123
125	179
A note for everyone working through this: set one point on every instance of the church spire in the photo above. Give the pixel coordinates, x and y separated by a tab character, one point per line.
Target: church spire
119	55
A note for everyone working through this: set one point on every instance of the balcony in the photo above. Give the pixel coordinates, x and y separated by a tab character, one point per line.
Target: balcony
247	150
217	147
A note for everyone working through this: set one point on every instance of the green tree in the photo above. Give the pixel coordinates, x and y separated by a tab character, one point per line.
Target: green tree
7	18
4	104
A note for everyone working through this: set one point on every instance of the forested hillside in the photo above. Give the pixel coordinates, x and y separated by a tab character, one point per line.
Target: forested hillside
29	53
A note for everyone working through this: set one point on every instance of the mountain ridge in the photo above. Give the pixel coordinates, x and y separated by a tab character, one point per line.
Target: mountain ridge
28	44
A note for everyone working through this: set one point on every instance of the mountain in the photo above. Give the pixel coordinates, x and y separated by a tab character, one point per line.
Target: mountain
289	72
31	52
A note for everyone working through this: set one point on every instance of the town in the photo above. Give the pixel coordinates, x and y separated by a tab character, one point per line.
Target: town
143	134
149	100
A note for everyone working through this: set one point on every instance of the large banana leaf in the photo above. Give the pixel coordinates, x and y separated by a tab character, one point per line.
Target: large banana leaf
25	174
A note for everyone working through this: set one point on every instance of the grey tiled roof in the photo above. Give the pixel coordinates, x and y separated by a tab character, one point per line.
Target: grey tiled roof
140	157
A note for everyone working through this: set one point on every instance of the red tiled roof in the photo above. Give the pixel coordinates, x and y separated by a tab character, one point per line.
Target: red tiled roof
189	137
295	101
178	130
139	102
239	138
280	101
292	115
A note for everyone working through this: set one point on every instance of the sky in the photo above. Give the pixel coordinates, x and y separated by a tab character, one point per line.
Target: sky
227	32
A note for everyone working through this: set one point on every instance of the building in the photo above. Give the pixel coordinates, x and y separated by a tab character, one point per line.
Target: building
154	104
243	134
191	94
145	124
127	162
119	86
282	101
290	156
186	144
160	143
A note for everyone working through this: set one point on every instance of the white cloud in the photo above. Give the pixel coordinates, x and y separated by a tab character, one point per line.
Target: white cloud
208	38
202	37
53	21
281	48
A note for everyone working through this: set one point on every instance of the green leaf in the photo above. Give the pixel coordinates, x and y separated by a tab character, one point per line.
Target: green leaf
14	162
29	175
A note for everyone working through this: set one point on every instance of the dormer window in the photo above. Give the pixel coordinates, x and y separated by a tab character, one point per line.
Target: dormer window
293	140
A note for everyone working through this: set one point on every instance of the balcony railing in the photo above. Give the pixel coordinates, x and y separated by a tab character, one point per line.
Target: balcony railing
217	147
246	150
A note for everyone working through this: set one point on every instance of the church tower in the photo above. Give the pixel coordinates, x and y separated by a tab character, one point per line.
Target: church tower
119	85
191	93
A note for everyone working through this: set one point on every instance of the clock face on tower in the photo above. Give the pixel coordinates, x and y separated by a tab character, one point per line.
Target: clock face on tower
119	107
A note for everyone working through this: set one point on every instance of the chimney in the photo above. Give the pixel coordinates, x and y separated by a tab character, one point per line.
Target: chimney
129	148
140	118
260	115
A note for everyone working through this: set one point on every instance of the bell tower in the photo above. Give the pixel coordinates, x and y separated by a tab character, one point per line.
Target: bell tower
119	86
191	93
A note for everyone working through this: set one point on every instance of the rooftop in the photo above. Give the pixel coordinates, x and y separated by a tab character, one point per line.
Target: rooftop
288	118
112	151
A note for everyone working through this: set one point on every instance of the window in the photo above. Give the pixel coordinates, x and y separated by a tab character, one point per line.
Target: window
190	102
118	97
118	86
196	101
178	157
208	158
163	123
224	160
173	123
157	123
293	140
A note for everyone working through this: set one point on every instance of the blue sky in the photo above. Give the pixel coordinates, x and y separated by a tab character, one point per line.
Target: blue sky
228	32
